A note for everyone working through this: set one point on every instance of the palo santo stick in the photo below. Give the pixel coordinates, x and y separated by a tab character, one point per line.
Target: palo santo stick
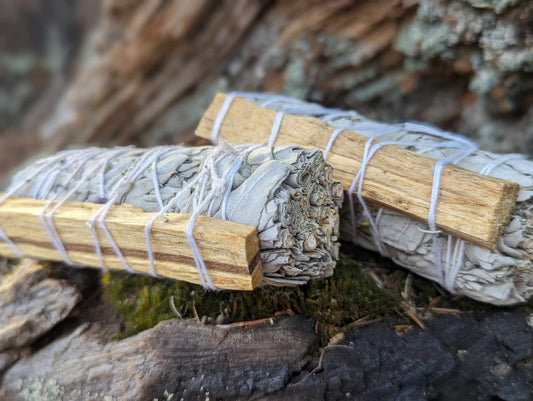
229	250
472	207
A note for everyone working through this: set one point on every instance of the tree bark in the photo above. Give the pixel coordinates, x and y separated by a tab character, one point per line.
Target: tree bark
463	65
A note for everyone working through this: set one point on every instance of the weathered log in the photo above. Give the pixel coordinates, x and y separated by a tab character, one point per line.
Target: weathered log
31	304
475	356
462	65
7	358
186	359
469	358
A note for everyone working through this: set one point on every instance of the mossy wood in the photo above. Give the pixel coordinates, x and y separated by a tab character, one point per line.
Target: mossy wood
229	250
471	206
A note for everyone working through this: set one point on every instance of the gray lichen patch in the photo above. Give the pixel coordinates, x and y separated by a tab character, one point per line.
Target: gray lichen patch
39	389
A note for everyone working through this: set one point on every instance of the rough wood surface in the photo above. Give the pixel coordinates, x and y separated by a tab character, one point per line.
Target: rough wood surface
472	207
477	356
230	250
146	72
186	359
31	304
7	358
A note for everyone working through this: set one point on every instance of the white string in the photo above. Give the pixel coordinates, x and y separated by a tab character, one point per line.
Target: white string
332	139
59	244
459	254
101	187
333	114
227	104
203	200
47	218
148	227
270	98
155	179
216	188
218	185
275	128
499	161
465	148
209	187
16	250
461	153
52	230
120	188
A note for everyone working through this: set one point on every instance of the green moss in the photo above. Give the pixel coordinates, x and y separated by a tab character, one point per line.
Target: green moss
7	265
141	302
425	291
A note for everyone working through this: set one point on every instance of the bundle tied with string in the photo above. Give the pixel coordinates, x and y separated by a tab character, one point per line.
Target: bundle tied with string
286	192
502	276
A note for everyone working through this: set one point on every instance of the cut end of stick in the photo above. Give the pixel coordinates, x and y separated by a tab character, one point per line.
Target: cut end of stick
504	211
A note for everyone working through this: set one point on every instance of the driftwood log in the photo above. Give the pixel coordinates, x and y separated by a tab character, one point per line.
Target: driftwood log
31	304
170	358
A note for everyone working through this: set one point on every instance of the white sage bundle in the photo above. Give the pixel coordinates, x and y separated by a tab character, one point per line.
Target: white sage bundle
503	276
286	192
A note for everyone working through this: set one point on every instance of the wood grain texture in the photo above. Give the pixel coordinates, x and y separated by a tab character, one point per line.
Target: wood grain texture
471	206
230	250
184	358
31	304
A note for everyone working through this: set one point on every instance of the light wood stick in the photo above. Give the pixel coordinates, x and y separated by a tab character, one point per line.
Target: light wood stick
473	207
229	250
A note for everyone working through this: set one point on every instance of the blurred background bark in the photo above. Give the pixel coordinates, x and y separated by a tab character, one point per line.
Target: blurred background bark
76	72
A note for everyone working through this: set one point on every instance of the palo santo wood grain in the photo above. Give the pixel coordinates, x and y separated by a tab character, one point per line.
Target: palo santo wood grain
471	206
230	250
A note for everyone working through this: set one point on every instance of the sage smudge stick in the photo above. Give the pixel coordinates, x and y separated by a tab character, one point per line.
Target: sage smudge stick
286	192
